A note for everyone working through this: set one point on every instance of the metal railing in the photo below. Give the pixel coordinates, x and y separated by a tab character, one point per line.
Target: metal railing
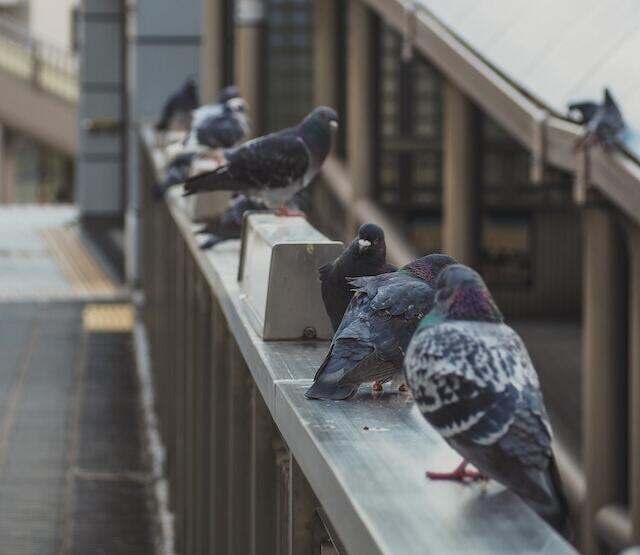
255	467
48	66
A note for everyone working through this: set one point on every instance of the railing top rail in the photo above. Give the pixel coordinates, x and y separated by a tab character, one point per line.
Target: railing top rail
365	458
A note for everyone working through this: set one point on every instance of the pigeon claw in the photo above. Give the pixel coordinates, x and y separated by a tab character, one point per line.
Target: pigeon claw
376	386
285	212
460	474
403	387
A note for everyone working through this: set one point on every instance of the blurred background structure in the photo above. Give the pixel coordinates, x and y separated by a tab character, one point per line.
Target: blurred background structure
455	136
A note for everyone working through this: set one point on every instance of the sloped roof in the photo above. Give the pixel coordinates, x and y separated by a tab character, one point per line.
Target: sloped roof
556	52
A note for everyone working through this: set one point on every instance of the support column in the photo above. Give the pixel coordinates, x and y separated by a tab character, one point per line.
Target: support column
634	381
361	114
163	49
604	319
325	55
7	165
213	70
460	198
249	56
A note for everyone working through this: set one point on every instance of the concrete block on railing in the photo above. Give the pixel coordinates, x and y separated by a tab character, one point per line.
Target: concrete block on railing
278	273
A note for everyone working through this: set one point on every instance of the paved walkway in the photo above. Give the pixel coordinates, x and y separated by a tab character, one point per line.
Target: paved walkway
73	475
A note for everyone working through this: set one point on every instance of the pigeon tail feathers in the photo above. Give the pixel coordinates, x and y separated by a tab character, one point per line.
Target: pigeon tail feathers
322	389
219	179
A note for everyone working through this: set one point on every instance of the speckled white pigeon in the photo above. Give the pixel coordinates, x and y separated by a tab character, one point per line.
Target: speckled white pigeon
474	382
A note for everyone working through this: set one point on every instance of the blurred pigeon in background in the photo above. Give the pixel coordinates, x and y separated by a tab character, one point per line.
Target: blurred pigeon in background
603	122
223	124
473	380
275	167
180	104
176	172
365	256
370	343
229	225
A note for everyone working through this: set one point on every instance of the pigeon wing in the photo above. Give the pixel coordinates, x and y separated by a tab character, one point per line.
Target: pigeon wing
271	162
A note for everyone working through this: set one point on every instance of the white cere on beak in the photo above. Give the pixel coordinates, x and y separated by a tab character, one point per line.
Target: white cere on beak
333	124
363	244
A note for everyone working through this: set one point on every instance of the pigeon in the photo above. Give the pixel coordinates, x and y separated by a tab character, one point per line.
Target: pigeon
229	225
474	382
223	124
180	103
365	256
275	167
603	122
376	328
229	96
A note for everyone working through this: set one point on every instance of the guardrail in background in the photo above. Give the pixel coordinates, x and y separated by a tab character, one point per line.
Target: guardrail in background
255	467
48	66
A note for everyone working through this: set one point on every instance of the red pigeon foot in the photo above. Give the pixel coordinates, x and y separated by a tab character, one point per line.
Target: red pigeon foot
460	474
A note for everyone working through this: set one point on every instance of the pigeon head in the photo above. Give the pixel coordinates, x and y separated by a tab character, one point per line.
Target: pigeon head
461	294
428	267
228	93
370	241
236	104
315	131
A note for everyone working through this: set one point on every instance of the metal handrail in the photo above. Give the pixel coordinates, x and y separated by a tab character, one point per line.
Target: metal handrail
48	66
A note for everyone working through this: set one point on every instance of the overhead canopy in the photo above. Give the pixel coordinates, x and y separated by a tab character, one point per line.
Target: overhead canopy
555	52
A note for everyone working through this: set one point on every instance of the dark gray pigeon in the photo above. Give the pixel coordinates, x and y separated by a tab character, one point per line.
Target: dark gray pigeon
473	380
370	343
603	122
229	225
226	130
365	256
179	103
275	167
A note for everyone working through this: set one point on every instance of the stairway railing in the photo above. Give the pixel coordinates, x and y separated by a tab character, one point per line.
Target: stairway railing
48	66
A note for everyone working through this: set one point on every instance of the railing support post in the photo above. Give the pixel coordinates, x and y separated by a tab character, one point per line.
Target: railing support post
603	364
634	380
263	477
461	198
218	432
302	508
239	454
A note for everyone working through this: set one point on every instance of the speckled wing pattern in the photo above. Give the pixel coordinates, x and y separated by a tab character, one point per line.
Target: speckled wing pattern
475	383
374	333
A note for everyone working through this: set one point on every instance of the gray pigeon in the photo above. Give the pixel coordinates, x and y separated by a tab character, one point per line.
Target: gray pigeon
365	256
474	382
275	167
370	343
180	103
603	122
229	225
177	172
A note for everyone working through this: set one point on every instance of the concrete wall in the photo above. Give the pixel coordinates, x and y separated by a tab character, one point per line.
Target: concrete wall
51	20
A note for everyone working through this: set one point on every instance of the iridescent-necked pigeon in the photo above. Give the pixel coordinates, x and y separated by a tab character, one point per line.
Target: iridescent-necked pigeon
370	343
365	256
474	382
275	167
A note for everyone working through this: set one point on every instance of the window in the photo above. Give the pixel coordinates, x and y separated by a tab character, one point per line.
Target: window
409	120
289	62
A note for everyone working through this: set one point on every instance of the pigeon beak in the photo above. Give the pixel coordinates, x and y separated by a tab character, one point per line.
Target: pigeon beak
333	124
363	244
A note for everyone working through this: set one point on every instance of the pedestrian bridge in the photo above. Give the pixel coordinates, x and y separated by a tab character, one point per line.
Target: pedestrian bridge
39	84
